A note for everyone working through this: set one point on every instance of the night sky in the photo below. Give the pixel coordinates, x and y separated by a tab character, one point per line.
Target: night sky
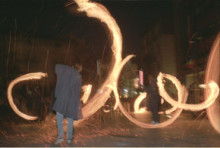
134	18
47	19
51	17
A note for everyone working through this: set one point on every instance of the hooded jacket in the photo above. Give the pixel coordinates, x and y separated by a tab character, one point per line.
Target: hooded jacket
67	91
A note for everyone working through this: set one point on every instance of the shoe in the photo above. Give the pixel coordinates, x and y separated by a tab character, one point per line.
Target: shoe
69	141
58	141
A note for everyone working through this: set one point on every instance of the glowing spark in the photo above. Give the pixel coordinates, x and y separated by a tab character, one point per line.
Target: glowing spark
202	86
29	76
212	73
137	103
106	110
193	107
162	101
87	90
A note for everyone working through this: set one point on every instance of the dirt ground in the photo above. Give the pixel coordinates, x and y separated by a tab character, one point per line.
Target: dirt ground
110	131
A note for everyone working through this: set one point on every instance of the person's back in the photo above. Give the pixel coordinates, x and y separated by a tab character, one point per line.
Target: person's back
67	91
67	103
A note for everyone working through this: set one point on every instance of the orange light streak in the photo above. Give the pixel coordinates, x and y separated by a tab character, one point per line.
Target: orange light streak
30	76
163	92
100	12
212	74
182	97
193	107
106	110
87	90
137	102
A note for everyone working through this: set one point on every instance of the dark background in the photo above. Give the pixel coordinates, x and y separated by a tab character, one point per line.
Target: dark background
40	22
37	34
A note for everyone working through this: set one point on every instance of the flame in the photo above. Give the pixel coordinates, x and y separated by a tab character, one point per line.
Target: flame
137	102
30	76
106	110
212	73
87	90
101	13
193	107
182	96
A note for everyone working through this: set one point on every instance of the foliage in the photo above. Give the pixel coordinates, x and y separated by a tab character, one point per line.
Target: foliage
126	80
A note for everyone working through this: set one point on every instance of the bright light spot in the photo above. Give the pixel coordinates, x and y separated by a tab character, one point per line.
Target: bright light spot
162	101
202	86
87	90
136	82
105	109
125	90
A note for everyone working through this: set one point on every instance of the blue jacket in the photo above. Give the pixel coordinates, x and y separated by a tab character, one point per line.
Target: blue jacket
67	92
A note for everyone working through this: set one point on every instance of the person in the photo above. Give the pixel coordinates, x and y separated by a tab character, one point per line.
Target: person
153	99
67	103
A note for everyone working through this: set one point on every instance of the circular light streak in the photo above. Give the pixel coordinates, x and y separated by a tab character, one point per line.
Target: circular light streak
30	76
212	74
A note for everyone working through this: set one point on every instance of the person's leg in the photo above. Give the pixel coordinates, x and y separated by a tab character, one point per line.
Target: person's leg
60	131
155	116
69	133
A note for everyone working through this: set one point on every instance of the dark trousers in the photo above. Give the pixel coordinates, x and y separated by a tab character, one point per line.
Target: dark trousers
155	115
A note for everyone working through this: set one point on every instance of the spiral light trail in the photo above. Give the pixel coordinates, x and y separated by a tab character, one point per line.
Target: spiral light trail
214	92
101	13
